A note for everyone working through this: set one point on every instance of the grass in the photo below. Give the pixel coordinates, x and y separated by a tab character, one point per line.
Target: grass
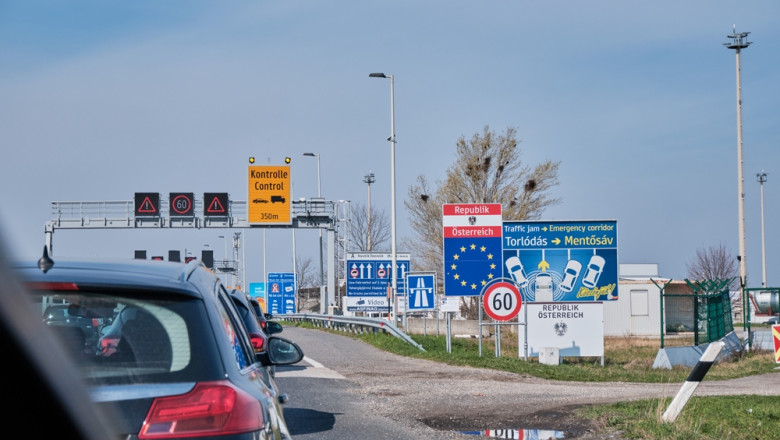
722	417
625	360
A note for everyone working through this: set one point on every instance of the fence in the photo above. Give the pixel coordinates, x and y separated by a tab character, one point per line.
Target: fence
706	311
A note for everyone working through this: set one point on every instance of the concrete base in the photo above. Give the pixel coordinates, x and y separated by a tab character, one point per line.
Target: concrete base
688	356
549	356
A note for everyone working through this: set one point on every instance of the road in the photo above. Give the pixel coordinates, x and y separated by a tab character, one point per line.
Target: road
346	389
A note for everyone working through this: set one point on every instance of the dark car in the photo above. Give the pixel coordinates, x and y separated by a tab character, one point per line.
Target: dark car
268	326
84	325
176	360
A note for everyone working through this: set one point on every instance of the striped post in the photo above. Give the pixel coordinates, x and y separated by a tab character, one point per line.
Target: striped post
687	389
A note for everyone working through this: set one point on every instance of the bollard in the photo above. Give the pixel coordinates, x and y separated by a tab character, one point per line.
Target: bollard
687	389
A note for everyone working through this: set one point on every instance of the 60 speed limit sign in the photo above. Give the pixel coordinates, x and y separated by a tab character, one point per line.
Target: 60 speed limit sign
502	301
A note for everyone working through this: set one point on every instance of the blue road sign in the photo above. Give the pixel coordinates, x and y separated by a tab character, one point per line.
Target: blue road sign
281	293
422	287
472	247
369	273
564	261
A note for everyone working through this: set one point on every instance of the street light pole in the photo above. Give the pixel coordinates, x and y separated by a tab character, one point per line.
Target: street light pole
761	179
324	307
369	179
739	42
394	289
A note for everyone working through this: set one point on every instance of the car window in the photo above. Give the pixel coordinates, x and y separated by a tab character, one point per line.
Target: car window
117	340
236	337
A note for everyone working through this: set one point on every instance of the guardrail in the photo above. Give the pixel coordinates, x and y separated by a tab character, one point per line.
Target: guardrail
349	324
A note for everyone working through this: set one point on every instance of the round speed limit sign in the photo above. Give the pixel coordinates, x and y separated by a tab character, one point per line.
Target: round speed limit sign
502	301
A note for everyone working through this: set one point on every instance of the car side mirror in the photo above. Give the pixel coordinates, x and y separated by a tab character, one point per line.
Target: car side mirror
281	352
272	328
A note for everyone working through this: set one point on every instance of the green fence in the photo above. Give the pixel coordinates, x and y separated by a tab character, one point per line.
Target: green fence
705	312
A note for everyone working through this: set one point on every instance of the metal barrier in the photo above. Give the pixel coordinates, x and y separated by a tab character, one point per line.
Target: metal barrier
349	324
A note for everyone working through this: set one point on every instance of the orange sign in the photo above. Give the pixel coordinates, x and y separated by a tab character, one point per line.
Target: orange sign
269	195
776	337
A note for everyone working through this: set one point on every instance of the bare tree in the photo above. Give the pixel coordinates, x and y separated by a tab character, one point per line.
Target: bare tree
487	169
369	236
713	263
308	283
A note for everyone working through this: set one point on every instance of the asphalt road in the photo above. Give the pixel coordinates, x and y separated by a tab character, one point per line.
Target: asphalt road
346	389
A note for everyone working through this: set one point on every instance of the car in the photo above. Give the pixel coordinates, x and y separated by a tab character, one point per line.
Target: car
593	271
176	360
570	274
543	287
75	317
43	372
516	271
265	318
772	321
259	201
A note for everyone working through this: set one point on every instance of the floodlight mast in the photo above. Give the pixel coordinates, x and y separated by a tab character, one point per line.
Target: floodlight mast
739	42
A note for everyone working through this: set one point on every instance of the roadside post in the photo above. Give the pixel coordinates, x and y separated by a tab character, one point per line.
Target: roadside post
693	381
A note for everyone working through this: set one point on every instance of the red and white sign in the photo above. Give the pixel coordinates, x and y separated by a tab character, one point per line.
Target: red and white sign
477	220
776	338
502	301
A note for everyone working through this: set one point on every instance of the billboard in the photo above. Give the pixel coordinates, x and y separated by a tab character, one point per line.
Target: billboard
553	261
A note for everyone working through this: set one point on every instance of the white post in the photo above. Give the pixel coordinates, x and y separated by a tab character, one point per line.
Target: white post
687	389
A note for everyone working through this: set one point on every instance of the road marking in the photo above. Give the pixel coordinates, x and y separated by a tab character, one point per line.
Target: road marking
313	369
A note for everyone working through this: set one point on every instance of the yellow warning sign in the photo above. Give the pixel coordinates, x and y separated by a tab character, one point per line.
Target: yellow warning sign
269	195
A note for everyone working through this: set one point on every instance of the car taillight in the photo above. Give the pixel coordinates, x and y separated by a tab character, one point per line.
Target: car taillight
258	341
108	345
211	408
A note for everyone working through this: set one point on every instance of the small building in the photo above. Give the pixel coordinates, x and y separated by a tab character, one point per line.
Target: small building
637	311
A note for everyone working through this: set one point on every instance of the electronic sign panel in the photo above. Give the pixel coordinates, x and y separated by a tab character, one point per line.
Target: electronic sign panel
269	192
215	204
147	204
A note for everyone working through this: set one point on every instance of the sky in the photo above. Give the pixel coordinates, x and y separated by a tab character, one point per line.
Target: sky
637	100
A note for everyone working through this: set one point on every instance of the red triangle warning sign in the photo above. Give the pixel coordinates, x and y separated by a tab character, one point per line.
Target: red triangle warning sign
147	207
215	206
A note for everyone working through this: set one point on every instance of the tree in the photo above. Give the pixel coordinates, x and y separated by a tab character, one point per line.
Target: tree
713	263
378	229
487	169
308	283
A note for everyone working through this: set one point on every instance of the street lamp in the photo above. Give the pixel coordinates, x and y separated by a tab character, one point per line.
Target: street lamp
761	179
392	192
369	179
323	298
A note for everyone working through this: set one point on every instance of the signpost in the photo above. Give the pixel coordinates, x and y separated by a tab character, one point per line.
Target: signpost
368	277
472	247
776	339
502	301
281	293
564	261
422	291
268	201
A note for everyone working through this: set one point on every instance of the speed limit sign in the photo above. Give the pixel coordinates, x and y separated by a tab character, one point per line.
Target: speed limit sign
502	301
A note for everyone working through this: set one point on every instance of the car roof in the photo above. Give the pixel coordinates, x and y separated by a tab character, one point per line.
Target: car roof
115	273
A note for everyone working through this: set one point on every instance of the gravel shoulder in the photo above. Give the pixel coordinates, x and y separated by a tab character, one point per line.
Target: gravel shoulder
450	398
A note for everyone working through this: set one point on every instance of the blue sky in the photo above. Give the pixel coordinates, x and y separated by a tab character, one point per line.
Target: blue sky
99	100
